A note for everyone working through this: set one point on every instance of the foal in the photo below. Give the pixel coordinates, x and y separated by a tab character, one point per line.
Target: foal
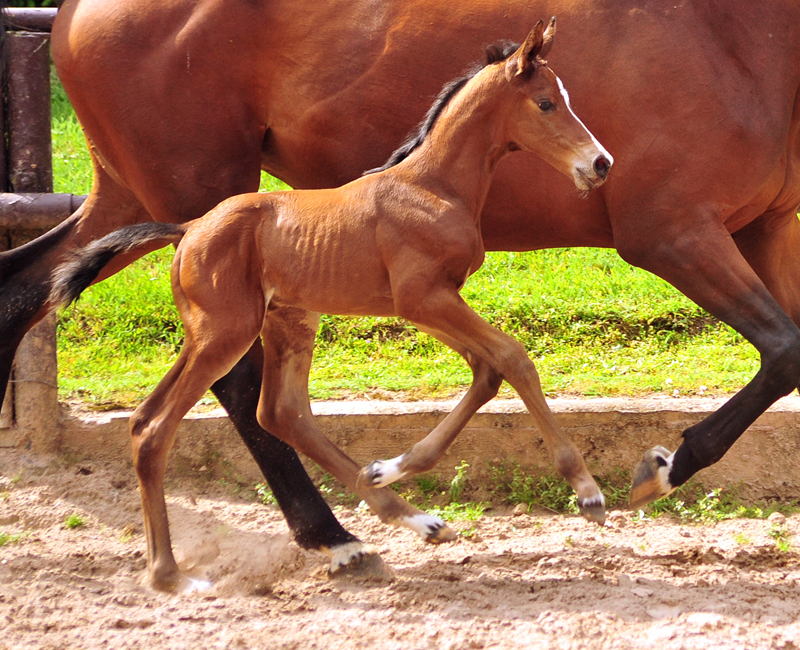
398	242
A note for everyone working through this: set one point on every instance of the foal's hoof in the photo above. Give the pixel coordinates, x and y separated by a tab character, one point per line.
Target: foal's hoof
179	584
651	477
441	535
370	476
380	473
593	509
361	563
432	529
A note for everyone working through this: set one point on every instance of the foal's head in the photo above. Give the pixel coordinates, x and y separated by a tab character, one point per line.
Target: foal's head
540	118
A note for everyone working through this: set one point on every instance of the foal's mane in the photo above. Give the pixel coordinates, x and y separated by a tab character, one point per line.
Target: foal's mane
494	53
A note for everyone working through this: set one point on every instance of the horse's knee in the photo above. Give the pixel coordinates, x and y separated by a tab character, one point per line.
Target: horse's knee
781	364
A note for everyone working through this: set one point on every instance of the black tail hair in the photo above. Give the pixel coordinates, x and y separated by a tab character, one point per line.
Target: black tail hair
74	276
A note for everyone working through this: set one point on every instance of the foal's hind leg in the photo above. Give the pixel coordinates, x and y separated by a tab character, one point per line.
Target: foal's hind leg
424	455
284	407
153	427
221	325
445	311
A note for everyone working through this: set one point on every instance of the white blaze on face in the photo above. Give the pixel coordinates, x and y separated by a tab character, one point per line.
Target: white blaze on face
597	144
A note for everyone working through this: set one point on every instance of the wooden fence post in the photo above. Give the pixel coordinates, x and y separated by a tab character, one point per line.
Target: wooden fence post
29	169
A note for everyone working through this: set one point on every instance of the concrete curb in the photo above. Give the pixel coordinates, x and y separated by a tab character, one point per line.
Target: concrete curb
610	433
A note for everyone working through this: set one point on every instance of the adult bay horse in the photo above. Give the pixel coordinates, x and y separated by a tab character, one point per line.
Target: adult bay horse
182	102
399	242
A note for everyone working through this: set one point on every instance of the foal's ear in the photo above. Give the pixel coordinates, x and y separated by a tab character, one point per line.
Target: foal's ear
547	38
522	61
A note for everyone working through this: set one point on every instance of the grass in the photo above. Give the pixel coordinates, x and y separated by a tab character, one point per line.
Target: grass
74	521
509	484
594	325
10	538
781	537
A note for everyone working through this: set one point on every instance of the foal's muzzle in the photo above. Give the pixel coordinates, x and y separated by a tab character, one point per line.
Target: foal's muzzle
601	166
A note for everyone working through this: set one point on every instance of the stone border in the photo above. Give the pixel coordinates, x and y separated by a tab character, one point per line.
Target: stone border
611	434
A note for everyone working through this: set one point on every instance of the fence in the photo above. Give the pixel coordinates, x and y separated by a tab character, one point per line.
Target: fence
28	208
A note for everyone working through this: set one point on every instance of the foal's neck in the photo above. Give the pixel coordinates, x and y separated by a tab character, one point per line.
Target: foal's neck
459	156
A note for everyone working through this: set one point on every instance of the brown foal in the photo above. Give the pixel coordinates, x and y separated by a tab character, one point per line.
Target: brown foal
401	242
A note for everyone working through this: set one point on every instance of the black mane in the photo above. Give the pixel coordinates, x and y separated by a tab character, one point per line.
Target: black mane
494	53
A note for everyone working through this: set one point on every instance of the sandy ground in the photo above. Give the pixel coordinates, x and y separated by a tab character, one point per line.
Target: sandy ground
539	581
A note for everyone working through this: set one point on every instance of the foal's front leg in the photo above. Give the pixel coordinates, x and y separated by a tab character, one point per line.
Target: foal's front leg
445	311
284	407
425	454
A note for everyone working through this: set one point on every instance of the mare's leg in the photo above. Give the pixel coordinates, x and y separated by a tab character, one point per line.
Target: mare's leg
703	261
445	311
311	521
424	455
284	408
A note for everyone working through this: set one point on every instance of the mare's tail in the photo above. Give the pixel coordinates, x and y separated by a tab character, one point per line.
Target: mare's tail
71	278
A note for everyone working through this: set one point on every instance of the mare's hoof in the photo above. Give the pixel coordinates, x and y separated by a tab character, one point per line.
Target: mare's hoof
651	477
593	510
365	565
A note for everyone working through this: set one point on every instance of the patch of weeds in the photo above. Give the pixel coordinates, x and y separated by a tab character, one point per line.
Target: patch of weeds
694	503
8	538
781	537
16	478
514	485
453	509
469	511
74	521
742	539
615	487
264	494
126	534
428	484
458	482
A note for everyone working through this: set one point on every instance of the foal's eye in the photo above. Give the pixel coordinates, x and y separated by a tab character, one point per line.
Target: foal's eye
546	105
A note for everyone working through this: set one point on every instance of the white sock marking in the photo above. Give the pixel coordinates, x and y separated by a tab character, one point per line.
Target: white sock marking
422	524
390	471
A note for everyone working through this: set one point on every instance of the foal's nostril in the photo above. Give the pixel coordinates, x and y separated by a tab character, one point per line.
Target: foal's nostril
601	166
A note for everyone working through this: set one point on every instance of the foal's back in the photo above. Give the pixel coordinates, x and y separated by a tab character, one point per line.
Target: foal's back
319	250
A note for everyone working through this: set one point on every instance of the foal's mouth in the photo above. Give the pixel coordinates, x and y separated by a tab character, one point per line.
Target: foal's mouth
586	181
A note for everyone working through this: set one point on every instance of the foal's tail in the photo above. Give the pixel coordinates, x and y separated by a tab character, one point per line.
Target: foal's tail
72	277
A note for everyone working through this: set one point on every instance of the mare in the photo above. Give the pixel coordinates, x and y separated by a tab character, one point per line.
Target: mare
182	101
399	242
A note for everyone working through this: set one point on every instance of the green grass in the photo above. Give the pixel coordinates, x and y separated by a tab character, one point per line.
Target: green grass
74	521
594	325
9	538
